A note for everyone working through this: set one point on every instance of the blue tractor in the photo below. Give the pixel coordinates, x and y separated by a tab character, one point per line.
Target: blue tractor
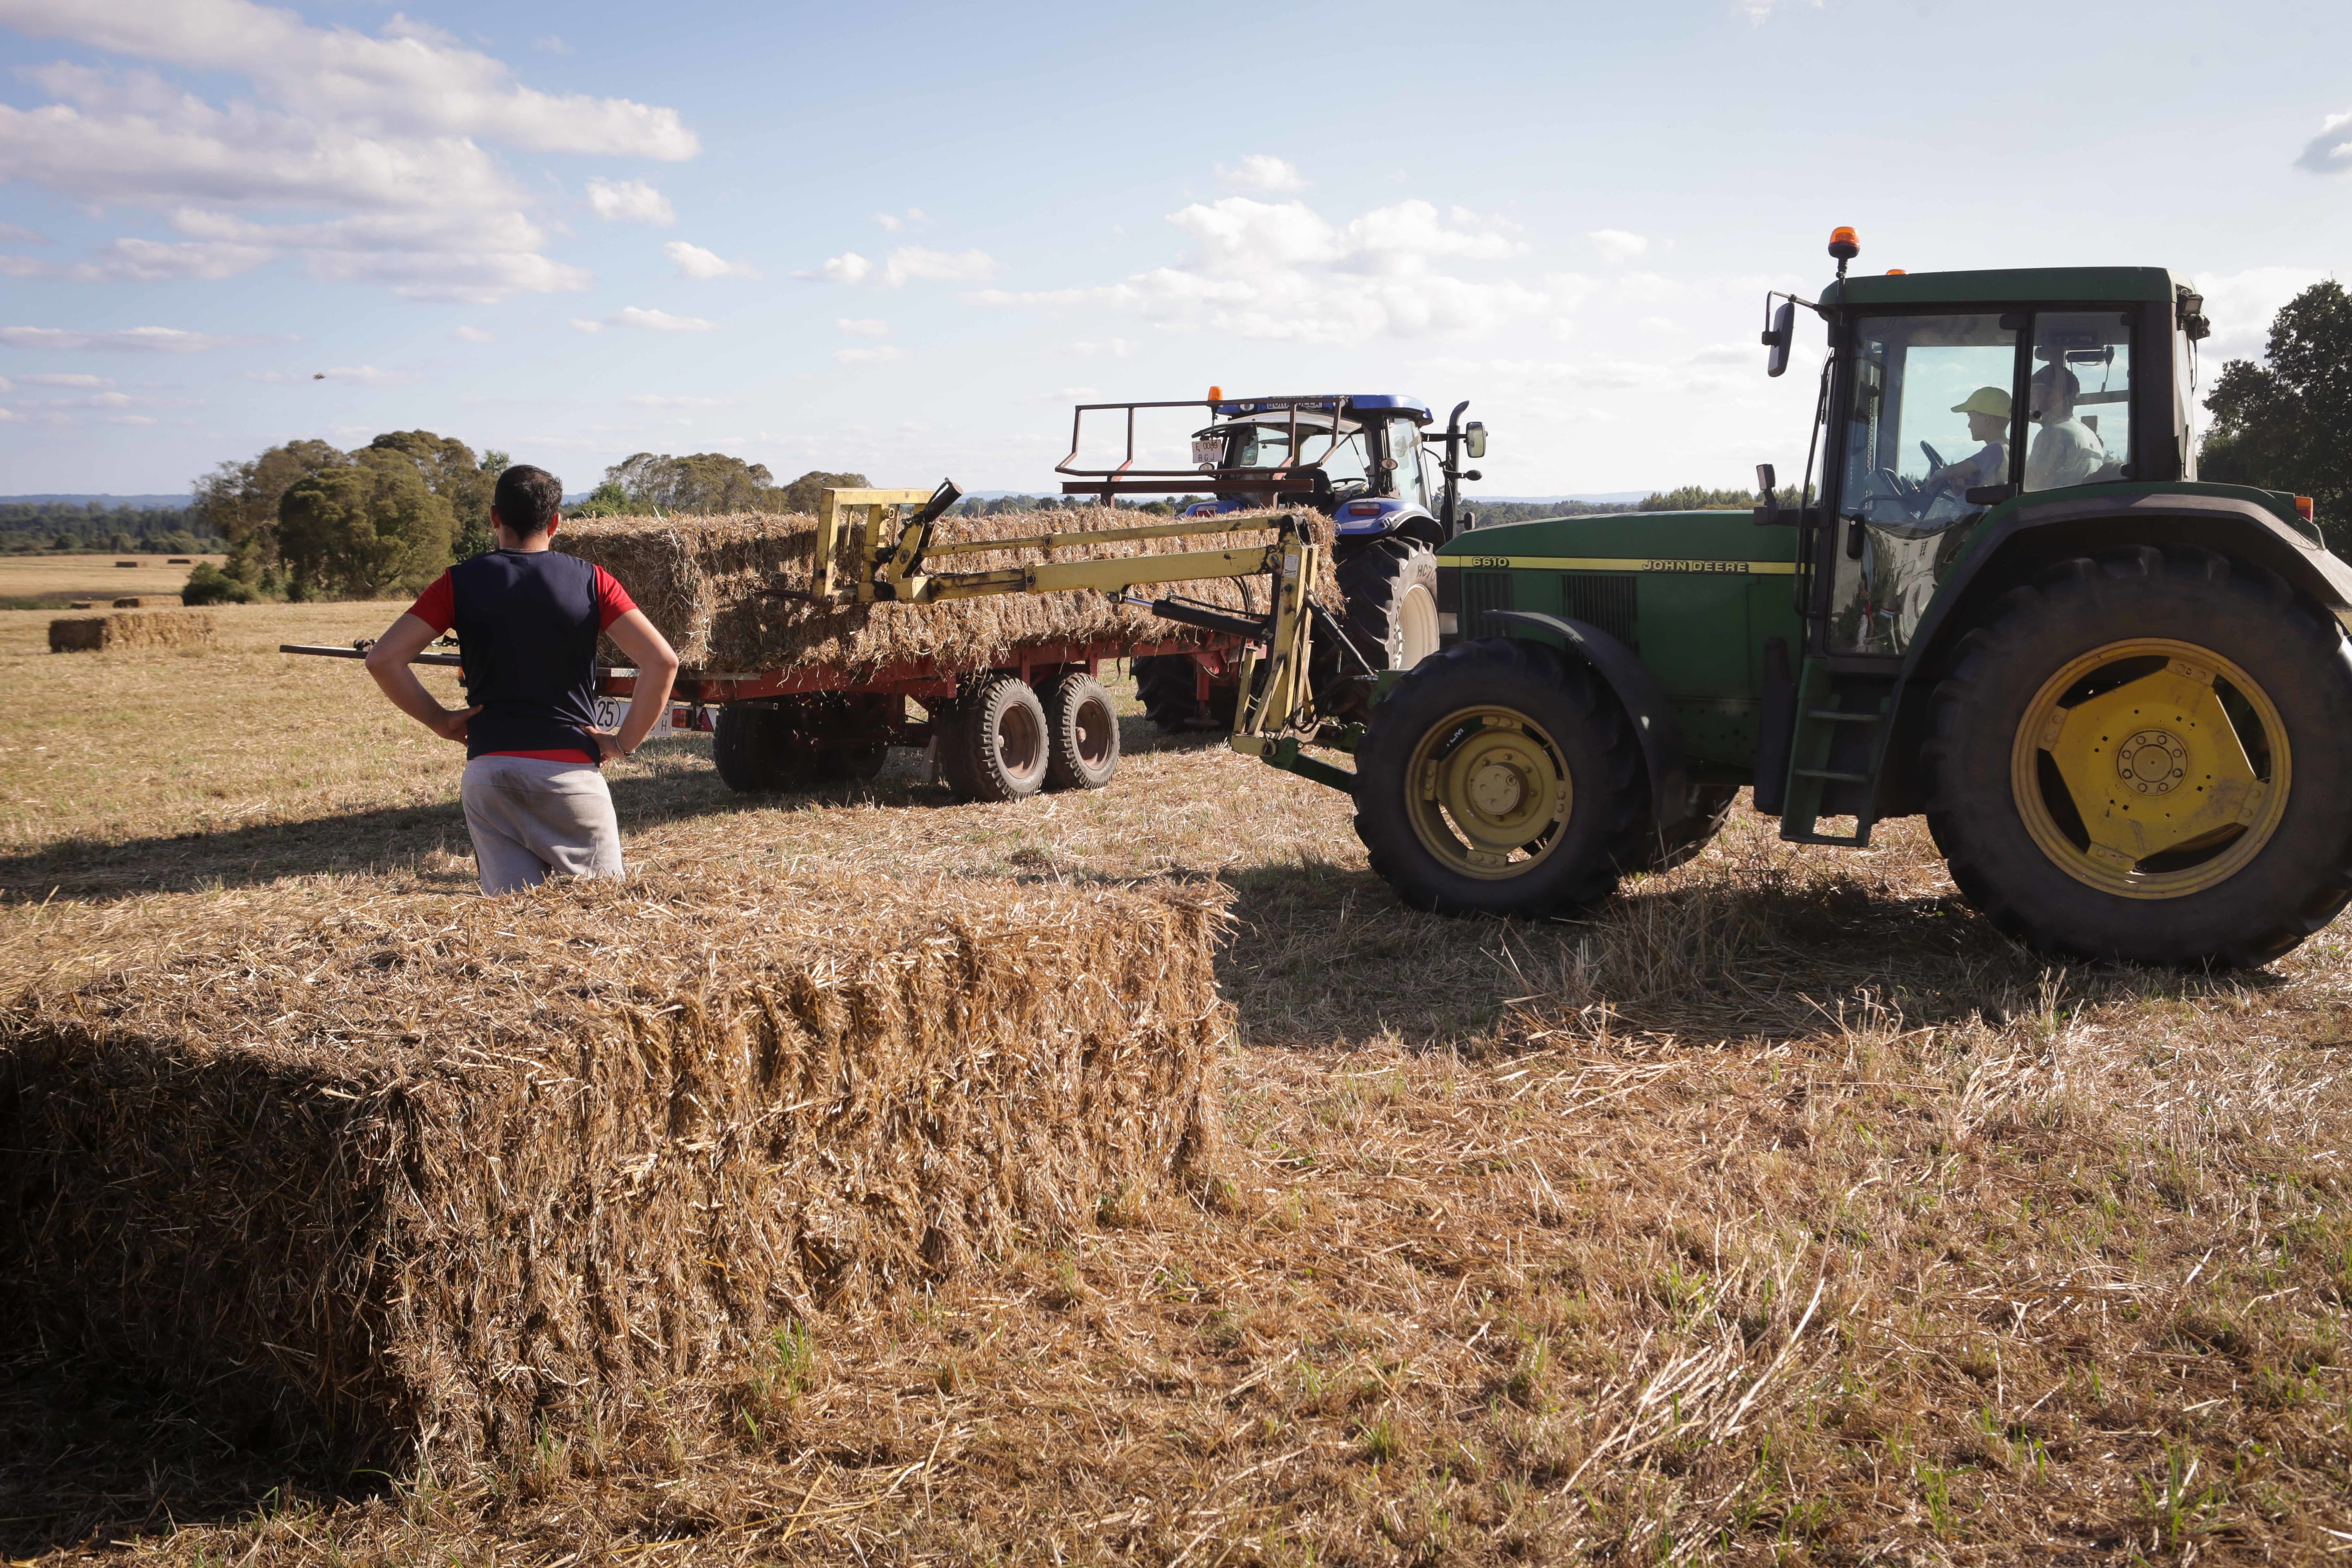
1390	483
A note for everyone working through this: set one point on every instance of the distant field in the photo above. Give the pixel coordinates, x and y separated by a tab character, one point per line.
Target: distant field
38	582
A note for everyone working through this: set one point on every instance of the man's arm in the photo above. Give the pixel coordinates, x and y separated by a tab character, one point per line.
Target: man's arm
656	665
387	660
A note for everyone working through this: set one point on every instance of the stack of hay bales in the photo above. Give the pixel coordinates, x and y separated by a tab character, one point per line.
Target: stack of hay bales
709	584
133	629
413	1175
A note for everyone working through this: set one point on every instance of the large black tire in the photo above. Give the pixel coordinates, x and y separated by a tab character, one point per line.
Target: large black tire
1167	685
1709	806
2155	634
1388	590
995	747
760	749
1570	728
1081	733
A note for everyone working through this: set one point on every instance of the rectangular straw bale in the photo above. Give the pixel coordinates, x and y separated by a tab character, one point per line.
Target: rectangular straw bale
147	601
133	628
705	582
423	1174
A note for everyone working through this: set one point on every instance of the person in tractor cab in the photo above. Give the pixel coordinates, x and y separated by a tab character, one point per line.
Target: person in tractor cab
527	618
2065	451
1988	408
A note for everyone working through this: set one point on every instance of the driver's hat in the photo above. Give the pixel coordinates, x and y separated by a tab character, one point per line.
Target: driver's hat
1985	400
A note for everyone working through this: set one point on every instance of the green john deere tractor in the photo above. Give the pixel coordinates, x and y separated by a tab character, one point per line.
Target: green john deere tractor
2122	698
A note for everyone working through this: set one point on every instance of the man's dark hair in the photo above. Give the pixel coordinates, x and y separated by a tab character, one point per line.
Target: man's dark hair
527	499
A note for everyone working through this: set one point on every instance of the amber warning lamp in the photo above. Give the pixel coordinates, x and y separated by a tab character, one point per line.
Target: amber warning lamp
2303	508
1216	394
1845	248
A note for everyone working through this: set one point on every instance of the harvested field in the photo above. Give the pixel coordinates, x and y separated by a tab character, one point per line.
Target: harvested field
399	1181
1513	1220
122	628
40	581
707	584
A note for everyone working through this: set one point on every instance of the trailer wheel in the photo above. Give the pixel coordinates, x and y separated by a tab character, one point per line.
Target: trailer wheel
1500	777
1166	685
996	747
759	749
2149	757
1082	733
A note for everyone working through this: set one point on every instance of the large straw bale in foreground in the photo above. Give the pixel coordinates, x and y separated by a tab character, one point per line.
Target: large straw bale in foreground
706	582
133	628
442	1174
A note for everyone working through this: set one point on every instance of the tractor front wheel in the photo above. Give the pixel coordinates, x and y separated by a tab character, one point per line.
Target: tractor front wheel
2149	757
1168	685
1499	777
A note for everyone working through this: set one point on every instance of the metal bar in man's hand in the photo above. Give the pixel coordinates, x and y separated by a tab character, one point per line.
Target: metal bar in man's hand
317	651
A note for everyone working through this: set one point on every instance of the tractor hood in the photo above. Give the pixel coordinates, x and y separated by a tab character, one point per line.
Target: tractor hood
1630	542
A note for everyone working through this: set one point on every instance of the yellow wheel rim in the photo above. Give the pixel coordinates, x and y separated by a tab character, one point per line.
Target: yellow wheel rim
1490	793
2151	768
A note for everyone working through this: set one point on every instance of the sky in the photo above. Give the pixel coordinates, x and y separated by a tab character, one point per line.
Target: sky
903	239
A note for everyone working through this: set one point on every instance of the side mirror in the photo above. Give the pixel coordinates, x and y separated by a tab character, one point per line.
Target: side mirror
1474	438
1778	336
1767	511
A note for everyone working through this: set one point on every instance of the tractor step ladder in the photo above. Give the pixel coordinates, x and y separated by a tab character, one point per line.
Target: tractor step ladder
1833	745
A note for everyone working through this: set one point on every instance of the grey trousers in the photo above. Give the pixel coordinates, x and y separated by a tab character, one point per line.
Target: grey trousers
531	819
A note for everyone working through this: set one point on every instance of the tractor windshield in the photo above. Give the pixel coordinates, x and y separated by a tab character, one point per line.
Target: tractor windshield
1930	415
1267	446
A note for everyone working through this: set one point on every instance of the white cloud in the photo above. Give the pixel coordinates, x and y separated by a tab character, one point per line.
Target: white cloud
2241	305
630	201
1281	271
471	335
880	354
390	132
82	383
1618	244
654	400
894	221
158	339
14	234
651	320
864	328
909	263
550	44
693	261
369	376
2330	152
1262	171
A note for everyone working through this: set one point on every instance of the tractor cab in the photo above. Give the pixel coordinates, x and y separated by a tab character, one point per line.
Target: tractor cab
1358	460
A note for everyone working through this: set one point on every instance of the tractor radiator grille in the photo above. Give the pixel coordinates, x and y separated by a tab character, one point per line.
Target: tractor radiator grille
1604	599
1481	592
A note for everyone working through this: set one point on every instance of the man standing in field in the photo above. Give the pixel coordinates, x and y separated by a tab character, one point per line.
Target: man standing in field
527	618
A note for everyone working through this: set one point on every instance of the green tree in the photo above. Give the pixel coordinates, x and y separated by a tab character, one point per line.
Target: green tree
705	482
451	471
2286	424
355	532
804	493
240	502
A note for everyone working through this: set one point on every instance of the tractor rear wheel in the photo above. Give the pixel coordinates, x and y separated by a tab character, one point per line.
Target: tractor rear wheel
994	747
1168	686
760	749
2149	757
1082	733
1499	777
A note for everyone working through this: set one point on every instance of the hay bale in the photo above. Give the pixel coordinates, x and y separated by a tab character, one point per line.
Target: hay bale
179	561
126	563
706	582
79	604
147	600
433	1173
133	628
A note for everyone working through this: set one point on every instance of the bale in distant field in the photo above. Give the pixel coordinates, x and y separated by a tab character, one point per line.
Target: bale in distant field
422	1174
179	561
126	563
707	584
133	628
147	600
79	604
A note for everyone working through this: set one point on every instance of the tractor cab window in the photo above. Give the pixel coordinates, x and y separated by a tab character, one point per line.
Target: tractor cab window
1259	447
1929	416
1343	460
1410	483
2078	399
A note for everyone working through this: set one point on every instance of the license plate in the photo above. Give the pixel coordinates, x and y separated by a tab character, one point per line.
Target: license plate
609	711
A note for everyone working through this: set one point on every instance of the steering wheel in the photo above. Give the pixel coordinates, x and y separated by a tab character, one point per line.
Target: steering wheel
1908	494
1935	458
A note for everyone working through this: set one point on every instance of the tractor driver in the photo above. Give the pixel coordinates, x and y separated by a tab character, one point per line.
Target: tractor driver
1988	408
2065	451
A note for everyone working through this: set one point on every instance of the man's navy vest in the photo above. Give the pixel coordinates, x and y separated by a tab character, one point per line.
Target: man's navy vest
527	625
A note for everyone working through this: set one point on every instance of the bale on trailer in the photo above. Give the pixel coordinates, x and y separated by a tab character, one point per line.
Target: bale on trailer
709	584
133	629
417	1174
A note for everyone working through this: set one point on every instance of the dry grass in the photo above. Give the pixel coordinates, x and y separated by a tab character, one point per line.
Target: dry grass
1515	1230
133	628
708	583
37	581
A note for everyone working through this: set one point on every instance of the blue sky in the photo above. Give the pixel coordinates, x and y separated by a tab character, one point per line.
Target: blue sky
904	238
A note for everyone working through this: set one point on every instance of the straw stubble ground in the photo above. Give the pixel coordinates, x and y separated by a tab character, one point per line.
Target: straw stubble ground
1780	1212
